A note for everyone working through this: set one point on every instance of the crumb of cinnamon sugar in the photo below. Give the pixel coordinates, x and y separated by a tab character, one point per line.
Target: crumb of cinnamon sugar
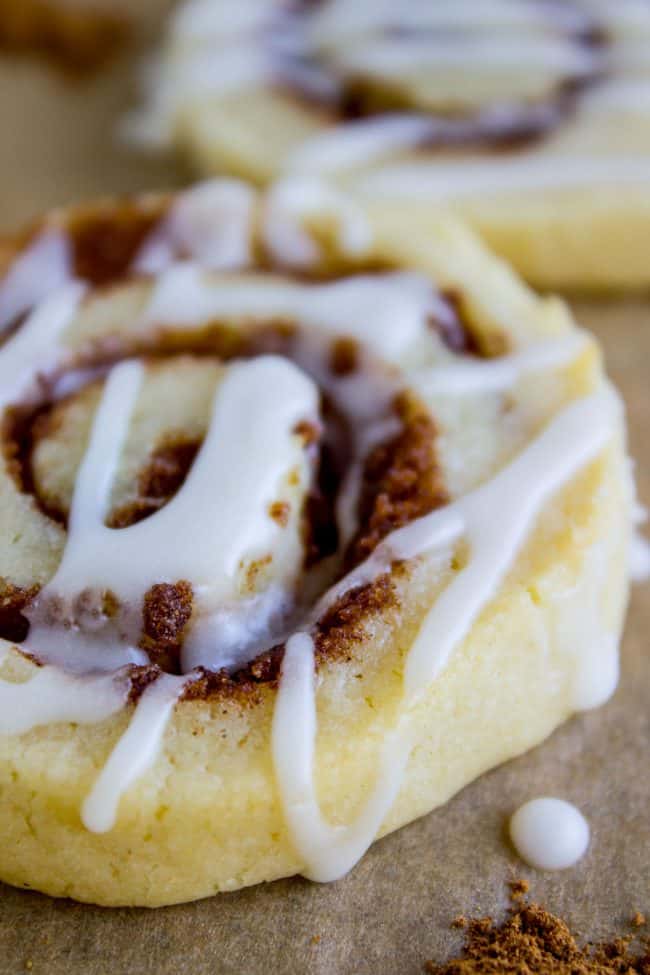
459	922
518	889
29	964
532	941
315	939
638	919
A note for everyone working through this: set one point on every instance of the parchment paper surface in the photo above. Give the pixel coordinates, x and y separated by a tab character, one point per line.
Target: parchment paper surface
393	911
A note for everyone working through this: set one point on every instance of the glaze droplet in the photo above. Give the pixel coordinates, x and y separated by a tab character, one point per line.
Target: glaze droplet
549	834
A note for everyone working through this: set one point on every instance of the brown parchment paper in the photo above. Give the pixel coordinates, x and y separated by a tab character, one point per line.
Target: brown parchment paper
393	911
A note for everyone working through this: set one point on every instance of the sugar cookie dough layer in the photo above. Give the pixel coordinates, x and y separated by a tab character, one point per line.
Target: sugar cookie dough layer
305	522
530	119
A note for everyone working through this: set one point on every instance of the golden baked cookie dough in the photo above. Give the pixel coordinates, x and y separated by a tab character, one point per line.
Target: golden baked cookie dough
257	479
529	119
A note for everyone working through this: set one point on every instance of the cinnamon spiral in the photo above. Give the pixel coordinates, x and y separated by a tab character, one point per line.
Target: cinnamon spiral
381	451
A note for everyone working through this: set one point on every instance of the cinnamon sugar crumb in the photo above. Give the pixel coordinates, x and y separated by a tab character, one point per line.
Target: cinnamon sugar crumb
254	569
518	888
280	511
165	614
638	919
344	623
310	432
532	941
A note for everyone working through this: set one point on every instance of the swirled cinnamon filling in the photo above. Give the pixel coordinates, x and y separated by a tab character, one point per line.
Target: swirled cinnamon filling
399	481
402	61
362	474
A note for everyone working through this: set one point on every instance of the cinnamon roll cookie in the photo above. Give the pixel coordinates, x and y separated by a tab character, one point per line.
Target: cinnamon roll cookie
531	118
300	532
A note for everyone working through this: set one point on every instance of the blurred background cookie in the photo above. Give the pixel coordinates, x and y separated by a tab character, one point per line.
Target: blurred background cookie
531	118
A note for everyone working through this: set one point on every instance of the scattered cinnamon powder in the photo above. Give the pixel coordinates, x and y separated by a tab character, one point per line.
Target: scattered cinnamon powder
532	941
638	919
518	888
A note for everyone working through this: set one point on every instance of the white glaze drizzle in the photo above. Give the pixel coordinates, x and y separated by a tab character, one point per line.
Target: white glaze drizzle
327	851
639	545
199	20
495	521
361	306
468	376
77	649
392	56
134	754
629	15
283	228
639	558
40	269
50	696
210	222
337	20
356	143
34	349
216	525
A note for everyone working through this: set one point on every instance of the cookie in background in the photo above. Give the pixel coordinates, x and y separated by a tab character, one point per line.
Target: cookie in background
530	119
